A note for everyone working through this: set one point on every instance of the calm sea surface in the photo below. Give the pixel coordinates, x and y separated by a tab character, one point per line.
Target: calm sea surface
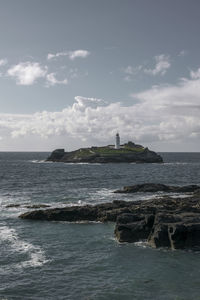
58	260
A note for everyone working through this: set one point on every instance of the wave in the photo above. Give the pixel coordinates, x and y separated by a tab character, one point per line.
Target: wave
83	163
142	244
35	161
43	161
175	163
36	255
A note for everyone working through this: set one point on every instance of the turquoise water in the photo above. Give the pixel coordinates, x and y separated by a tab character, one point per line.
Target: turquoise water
59	260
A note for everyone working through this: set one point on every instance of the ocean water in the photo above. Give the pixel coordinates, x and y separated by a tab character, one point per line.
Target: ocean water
60	260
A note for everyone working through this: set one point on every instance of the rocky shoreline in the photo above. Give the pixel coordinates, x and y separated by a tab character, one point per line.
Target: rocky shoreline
161	222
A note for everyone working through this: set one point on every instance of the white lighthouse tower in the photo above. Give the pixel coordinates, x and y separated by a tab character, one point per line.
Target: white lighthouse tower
117	141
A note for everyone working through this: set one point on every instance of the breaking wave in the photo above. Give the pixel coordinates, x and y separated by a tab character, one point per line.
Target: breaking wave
15	245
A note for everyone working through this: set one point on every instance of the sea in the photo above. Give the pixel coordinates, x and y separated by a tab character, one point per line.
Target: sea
61	260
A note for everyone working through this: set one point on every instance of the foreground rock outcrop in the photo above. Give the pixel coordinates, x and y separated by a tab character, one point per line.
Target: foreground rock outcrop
164	222
127	153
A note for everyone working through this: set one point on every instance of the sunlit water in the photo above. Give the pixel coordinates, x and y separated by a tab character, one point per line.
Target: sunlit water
59	260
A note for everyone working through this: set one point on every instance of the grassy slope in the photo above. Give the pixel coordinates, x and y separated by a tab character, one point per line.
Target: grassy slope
106	151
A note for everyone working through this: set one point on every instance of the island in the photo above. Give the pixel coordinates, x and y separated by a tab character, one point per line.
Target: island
126	153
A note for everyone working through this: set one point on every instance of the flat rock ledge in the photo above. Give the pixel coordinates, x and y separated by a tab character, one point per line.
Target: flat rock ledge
157	187
163	222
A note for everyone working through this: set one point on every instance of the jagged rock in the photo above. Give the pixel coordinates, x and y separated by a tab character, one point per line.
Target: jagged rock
103	212
133	228
176	231
162	222
12	205
157	187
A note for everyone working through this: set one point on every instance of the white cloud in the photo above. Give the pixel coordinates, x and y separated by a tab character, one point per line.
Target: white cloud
78	53
162	64
131	71
128	78
182	53
71	54
3	62
195	74
128	70
52	80
161	114
27	73
50	55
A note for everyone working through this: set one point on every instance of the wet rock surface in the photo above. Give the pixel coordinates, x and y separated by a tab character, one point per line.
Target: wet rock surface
162	222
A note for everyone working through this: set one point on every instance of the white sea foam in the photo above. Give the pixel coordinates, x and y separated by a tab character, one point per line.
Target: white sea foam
83	163
36	255
41	161
104	192
175	163
142	244
35	161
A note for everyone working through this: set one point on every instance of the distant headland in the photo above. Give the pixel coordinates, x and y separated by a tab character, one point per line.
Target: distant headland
126	153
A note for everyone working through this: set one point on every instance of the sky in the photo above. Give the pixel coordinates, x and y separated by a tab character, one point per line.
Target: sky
74	72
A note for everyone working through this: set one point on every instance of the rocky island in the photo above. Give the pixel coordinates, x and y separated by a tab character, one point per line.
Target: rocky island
126	153
160	222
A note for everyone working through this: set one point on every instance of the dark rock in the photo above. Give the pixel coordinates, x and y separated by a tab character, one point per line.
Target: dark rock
29	206
185	236
162	222
12	205
132	232
70	214
176	232
37	206
56	155
157	187
133	228
159	237
103	212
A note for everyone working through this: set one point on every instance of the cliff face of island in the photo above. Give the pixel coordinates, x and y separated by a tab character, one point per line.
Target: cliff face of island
127	153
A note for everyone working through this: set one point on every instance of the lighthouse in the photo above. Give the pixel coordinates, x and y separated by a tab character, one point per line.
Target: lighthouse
117	141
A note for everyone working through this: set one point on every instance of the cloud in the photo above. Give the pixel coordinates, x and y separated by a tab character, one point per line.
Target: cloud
128	70
3	62
27	73
195	74
162	64
182	53
71	54
165	113
78	53
131	71
51	80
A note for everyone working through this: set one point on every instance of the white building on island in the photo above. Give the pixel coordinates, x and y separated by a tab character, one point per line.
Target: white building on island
117	141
